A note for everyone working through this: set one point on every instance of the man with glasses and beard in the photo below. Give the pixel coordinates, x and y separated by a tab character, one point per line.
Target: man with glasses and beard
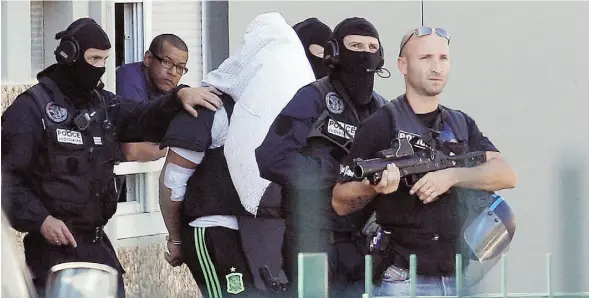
420	217
162	67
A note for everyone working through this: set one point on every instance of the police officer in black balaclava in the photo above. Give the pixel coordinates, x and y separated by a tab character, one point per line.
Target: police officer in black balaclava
78	79
356	67
60	142
313	35
305	146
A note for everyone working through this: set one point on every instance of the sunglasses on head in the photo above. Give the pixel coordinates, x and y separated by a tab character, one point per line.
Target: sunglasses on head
423	31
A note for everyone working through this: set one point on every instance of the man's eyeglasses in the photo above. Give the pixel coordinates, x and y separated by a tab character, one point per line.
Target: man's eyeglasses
423	31
168	64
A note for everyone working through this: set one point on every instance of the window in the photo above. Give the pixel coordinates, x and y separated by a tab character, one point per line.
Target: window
129	32
215	34
129	36
136	22
138	209
37	43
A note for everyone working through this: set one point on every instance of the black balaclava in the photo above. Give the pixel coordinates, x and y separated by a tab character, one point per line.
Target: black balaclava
77	80
312	31
355	70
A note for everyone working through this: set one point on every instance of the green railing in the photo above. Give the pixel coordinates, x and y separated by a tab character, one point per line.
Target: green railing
313	279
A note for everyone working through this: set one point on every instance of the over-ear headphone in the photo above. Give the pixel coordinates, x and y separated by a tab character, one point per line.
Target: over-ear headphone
331	53
68	50
331	56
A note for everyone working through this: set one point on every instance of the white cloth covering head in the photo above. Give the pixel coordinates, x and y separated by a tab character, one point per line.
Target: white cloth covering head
266	35
262	77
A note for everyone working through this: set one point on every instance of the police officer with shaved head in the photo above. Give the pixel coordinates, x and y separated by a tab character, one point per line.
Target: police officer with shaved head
424	216
60	142
305	145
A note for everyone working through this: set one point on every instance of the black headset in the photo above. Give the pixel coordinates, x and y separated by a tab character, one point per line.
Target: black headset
331	53
68	50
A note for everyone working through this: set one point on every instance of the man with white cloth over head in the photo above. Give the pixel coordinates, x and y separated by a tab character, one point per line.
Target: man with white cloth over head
198	199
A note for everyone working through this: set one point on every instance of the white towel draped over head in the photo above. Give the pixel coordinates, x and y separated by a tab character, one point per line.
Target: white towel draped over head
262	77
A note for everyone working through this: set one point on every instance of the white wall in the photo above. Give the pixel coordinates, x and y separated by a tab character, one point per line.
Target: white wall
182	18
392	19
16	34
58	16
16	42
529	90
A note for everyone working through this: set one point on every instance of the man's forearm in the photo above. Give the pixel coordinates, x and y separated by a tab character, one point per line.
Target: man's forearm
171	213
148	121
493	175
142	152
351	196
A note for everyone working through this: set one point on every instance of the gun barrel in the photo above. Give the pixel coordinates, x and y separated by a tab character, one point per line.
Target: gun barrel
369	167
416	163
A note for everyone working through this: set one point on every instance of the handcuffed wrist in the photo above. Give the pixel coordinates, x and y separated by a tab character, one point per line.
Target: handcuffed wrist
175	242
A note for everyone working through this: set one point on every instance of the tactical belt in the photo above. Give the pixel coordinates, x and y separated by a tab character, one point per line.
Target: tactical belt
394	258
338	236
385	256
88	235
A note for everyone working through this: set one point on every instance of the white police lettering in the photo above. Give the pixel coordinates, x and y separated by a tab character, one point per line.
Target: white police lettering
337	128
345	171
409	136
69	136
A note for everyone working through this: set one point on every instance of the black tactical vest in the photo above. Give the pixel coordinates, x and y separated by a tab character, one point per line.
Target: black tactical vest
73	172
209	190
330	137
428	230
339	120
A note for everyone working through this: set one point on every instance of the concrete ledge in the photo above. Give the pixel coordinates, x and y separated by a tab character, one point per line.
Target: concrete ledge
9	93
149	275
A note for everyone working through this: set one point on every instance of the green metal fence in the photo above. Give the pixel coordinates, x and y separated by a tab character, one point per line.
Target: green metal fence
313	279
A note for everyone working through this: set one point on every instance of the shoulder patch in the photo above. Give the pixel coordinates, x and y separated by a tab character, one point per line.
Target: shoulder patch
334	103
56	113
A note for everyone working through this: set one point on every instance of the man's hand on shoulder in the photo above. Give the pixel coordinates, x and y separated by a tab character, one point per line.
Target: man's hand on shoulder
207	97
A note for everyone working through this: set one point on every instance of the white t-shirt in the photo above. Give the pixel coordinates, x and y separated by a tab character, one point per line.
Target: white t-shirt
218	137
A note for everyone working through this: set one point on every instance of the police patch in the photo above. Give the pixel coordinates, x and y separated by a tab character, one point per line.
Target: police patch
55	112
69	136
334	103
414	139
341	129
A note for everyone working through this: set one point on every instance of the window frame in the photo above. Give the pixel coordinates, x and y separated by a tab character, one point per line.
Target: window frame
134	25
141	217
